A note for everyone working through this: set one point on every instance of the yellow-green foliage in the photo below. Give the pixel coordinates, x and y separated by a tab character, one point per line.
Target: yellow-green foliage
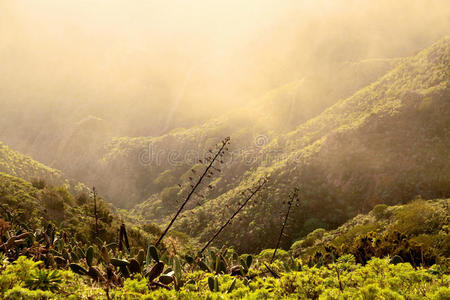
25	205
378	279
14	277
19	165
418	232
19	198
267	254
309	240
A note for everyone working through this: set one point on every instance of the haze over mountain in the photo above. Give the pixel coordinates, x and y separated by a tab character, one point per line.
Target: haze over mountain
145	72
387	143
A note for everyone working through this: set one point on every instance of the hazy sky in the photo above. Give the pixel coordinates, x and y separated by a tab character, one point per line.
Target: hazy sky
208	56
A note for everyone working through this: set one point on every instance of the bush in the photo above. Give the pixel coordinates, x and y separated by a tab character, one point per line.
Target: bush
443	293
20	293
152	228
53	202
308	241
313	223
267	254
379	211
169	196
417	217
40	184
82	198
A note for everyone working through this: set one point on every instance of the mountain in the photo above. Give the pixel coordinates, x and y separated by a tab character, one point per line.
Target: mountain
382	139
34	194
387	143
133	169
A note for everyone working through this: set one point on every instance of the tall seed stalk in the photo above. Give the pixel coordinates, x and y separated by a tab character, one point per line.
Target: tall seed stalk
260	186
94	193
292	198
219	153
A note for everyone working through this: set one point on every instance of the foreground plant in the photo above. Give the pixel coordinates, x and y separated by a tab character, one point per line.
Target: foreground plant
378	279
45	280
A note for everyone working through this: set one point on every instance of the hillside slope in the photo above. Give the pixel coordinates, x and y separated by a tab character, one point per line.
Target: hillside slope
20	165
387	231
26	206
385	144
23	166
132	170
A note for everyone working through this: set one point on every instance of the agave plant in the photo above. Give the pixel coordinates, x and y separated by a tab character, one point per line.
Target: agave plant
45	280
113	270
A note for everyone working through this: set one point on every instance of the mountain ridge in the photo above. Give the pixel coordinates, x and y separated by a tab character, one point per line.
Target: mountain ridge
413	96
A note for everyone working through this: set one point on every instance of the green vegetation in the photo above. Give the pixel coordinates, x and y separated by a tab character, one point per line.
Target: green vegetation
19	165
417	232
52	248
184	278
22	166
377	279
378	146
51	207
150	178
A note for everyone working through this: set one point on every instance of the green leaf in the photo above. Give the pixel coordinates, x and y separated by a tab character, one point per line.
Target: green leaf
89	256
76	268
155	271
274	274
249	261
119	262
189	259
211	284
152	252
165	279
134	266
203	266
216	284
232	286
177	268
